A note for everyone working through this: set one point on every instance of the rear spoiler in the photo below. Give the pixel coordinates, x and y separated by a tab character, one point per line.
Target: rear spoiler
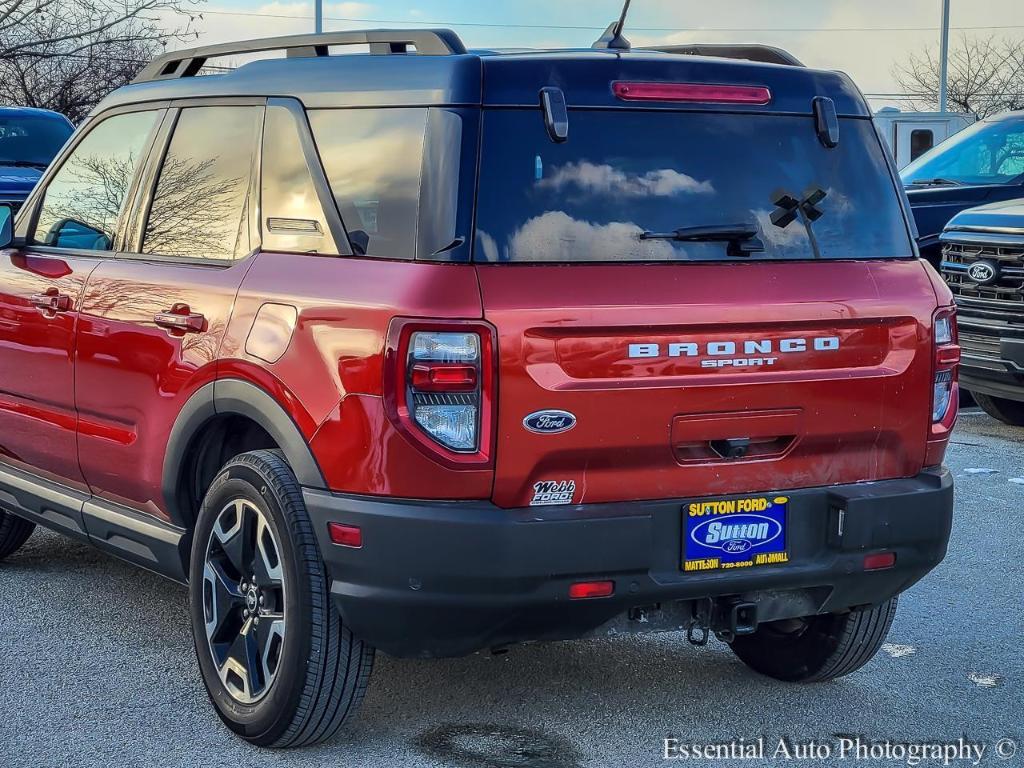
765	54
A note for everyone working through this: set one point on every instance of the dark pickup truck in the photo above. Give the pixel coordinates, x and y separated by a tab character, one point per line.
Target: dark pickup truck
981	164
983	263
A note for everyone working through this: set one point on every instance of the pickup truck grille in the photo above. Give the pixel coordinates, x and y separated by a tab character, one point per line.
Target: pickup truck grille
1006	293
981	347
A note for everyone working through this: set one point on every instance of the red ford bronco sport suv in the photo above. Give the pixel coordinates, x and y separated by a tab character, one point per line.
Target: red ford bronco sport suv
433	351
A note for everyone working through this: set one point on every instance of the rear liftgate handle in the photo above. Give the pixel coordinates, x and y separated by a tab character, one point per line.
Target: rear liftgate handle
731	447
703	438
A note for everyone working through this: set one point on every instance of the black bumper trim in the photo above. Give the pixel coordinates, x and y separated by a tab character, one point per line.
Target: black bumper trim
992	383
450	578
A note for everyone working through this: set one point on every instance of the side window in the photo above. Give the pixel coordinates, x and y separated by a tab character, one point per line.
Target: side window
1009	157
85	199
293	219
200	207
373	160
921	140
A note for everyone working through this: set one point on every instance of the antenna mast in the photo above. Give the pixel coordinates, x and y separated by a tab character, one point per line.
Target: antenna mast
612	38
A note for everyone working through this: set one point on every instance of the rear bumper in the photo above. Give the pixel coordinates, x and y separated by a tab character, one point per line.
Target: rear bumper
451	578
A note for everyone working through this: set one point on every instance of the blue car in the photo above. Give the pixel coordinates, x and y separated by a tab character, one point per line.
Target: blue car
981	164
29	140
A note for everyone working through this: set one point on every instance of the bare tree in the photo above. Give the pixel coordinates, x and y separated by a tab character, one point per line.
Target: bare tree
67	54
986	76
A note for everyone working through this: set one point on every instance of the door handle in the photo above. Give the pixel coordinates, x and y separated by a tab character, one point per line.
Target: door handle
52	300
181	318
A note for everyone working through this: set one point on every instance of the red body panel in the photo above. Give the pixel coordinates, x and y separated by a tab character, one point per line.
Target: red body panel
37	403
333	366
815	418
361	451
133	377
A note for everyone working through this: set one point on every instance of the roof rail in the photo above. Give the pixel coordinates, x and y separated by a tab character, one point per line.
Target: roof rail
765	54
188	62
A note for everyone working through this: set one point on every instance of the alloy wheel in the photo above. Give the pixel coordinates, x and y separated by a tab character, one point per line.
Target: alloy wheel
244	601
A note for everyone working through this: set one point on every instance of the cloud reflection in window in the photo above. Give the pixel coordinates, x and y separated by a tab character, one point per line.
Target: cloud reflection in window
603	179
556	236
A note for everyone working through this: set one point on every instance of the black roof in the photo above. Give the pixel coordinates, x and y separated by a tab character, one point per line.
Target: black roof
442	72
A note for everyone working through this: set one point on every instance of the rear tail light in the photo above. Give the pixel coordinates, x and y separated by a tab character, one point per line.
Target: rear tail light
440	383
444	377
942	394
692	93
947	360
444	394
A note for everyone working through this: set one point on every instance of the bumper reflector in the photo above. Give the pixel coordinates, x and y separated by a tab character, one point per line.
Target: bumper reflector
879	561
345	535
582	590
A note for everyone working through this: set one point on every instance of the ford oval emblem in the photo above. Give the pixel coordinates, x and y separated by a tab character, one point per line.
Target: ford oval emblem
983	272
736	546
549	422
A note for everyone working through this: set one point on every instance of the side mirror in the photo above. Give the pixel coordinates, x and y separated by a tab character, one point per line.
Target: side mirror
6	225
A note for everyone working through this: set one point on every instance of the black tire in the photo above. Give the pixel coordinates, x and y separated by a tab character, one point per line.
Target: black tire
1007	411
14	532
816	648
320	669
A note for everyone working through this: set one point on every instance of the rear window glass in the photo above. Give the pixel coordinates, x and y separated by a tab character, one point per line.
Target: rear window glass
373	160
622	174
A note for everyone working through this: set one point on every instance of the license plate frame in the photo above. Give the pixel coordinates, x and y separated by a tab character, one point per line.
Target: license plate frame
730	533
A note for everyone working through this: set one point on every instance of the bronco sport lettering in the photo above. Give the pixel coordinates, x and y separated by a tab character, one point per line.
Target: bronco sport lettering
727	348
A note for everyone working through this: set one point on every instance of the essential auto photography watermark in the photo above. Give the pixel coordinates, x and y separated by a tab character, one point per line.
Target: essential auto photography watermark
961	751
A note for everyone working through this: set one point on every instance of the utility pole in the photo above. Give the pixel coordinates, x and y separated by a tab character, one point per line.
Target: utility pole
943	56
318	16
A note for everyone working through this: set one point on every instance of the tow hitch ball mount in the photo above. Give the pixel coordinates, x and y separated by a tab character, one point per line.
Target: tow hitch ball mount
726	617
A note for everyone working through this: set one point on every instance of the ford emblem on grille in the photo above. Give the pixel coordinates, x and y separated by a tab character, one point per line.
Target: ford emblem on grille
549	422
983	272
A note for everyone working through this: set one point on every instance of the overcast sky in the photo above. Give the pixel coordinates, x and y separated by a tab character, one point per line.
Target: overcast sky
861	37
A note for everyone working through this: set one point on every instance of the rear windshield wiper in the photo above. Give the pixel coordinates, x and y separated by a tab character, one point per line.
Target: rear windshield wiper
938	182
742	238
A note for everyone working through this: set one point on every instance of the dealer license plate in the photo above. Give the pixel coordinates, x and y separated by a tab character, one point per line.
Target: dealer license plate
734	533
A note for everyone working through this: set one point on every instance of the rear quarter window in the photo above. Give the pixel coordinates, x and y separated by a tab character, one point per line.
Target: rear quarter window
622	173
373	160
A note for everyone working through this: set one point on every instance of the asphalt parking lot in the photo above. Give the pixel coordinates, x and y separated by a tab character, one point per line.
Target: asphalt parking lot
98	670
